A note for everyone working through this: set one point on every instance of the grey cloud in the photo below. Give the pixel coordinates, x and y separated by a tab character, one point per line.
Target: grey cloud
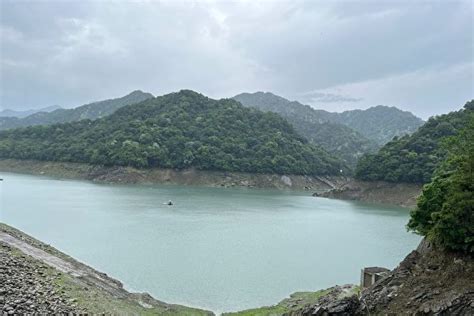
73	52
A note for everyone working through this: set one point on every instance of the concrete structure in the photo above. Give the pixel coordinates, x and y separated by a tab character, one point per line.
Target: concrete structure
370	275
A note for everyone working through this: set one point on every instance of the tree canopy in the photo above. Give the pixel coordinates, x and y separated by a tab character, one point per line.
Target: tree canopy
445	210
315	125
178	130
413	158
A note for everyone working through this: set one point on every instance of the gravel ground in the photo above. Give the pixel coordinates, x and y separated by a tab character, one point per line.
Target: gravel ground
29	286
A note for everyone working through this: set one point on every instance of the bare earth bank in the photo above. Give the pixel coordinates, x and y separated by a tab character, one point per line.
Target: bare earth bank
401	194
131	175
344	188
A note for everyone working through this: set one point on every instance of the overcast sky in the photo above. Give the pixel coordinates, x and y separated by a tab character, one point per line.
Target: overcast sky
416	55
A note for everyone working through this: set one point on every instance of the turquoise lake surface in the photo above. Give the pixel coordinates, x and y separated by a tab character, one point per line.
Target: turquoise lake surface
222	249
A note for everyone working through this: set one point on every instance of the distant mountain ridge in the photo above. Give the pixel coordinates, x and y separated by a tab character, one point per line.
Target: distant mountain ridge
25	113
90	111
338	139
378	124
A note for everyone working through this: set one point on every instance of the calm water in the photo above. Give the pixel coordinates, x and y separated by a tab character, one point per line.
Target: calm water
219	249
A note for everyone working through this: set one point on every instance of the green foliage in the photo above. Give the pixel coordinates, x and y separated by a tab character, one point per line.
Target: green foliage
178	130
315	125
445	210
90	111
379	123
414	158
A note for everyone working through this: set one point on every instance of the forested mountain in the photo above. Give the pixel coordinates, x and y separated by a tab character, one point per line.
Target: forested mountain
377	124
414	158
90	111
25	113
178	130
337	139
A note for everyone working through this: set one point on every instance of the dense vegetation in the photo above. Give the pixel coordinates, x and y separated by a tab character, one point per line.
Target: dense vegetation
414	158
379	123
339	140
445	210
90	111
178	130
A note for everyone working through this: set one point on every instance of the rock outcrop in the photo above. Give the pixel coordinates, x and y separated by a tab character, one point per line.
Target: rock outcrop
428	281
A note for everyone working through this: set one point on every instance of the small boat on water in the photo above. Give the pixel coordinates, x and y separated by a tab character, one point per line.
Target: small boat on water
169	203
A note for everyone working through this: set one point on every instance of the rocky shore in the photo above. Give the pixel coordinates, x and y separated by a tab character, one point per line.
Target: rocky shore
401	194
29	286
129	175
427	282
36	278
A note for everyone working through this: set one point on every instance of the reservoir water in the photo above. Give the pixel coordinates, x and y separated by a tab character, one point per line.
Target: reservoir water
218	249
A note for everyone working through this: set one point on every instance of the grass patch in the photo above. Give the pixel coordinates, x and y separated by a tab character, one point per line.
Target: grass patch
295	302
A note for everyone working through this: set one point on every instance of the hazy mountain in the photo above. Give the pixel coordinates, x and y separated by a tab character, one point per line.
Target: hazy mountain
379	123
25	113
413	158
90	111
336	138
178	130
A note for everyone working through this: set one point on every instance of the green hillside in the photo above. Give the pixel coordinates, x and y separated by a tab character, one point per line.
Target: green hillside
338	139
364	129
414	158
379	123
178	130
90	111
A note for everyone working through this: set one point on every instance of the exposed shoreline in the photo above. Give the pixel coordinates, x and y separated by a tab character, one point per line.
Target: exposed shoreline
343	188
72	287
400	194
129	175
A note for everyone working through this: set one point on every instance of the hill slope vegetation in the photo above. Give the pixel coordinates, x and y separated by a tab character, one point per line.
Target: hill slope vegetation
414	158
336	138
378	124
90	111
178	130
